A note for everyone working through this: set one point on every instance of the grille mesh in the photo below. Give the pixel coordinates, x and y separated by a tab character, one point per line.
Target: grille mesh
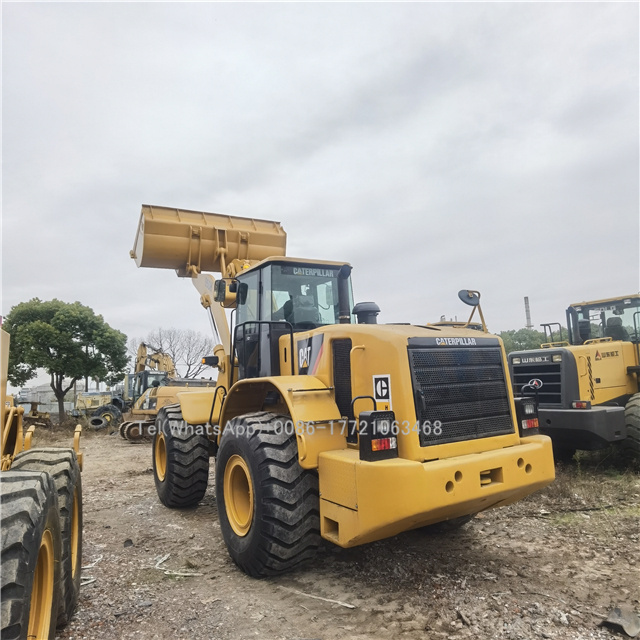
464	389
550	374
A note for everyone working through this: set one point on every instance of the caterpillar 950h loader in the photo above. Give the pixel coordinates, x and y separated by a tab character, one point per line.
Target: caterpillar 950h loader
323	422
590	397
41	499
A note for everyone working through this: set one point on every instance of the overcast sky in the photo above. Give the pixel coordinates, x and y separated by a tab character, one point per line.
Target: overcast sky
435	147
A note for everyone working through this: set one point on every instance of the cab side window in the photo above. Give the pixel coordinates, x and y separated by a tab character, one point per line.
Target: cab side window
248	312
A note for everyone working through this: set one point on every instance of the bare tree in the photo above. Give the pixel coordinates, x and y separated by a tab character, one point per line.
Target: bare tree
185	346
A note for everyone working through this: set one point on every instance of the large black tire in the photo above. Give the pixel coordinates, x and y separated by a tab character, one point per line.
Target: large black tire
110	413
180	459
30	558
563	453
62	466
632	419
268	505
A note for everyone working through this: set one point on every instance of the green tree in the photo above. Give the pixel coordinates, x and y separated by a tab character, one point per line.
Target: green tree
522	339
68	340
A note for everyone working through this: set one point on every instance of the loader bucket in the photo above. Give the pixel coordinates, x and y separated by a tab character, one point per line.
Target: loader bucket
194	240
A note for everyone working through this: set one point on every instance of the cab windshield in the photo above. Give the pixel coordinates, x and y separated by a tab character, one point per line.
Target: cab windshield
306	296
615	319
301	294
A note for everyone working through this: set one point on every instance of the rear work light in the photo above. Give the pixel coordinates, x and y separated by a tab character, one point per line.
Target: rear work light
581	404
376	435
527	414
383	444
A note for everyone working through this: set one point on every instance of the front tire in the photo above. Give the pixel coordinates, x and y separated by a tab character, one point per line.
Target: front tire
62	466
180	460
268	505
30	558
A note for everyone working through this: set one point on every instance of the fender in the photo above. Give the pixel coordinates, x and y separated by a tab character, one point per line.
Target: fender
309	403
196	405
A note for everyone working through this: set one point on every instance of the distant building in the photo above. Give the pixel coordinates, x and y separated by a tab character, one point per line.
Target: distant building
46	399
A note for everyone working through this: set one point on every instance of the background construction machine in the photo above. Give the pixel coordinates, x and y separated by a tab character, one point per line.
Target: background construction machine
590	396
35	417
106	408
322	426
41	497
153	385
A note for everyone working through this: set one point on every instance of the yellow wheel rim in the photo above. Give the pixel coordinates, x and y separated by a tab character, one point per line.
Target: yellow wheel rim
75	533
42	592
238	495
160	454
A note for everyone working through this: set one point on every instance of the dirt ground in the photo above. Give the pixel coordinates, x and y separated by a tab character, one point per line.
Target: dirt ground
551	566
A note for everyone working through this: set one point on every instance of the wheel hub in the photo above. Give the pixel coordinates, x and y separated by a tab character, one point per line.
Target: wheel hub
42	592
160	455
238	495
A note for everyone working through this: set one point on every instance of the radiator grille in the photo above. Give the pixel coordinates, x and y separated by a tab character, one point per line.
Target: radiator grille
464	389
549	373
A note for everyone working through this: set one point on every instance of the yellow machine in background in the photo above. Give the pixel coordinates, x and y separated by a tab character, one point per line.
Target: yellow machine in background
590	395
41	498
323	422
153	385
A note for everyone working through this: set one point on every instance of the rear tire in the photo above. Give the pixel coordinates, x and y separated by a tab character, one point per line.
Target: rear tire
180	460
268	504
98	423
30	559
563	454
632	419
110	413
62	466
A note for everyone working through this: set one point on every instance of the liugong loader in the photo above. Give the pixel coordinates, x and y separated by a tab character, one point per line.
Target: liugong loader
41	498
325	424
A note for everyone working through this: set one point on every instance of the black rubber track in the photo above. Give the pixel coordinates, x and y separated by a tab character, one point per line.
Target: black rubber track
187	473
29	507
285	531
62	465
632	419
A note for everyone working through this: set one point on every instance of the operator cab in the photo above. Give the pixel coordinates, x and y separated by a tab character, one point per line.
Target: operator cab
281	297
615	318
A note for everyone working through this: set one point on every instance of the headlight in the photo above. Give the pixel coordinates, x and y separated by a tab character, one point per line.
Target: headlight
515	361
557	357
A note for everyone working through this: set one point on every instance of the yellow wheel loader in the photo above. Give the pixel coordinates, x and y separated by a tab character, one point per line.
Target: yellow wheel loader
323	423
590	396
41	499
153	385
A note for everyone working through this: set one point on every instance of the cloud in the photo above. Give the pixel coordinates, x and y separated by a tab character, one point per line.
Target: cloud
433	146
